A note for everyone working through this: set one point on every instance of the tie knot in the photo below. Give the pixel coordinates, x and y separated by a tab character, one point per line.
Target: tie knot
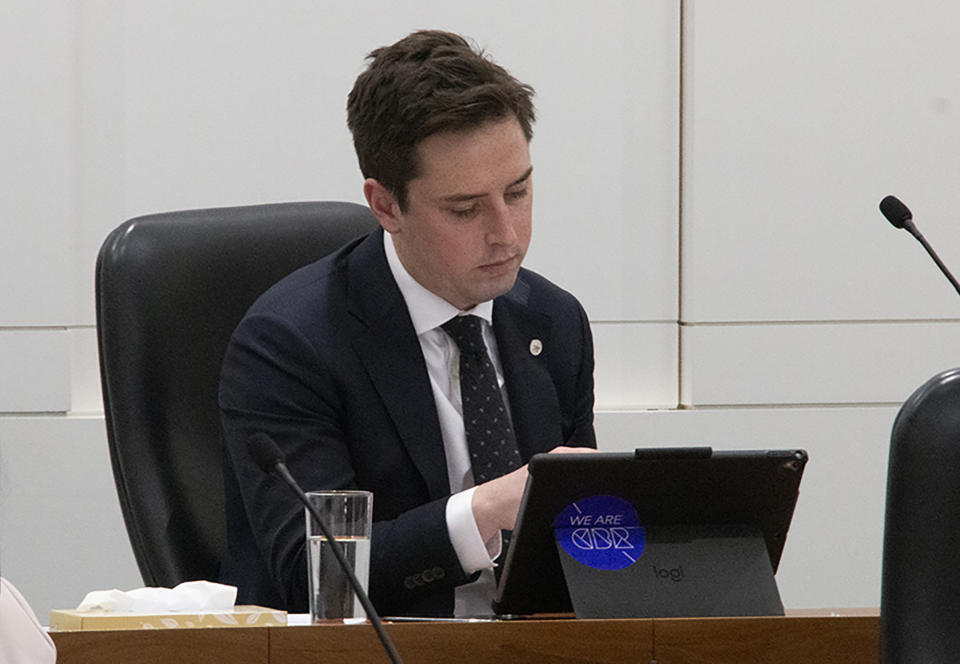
466	333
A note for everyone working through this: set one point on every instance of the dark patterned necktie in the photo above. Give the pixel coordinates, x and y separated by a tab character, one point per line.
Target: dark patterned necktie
490	438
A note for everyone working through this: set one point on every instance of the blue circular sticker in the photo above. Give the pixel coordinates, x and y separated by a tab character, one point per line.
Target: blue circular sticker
602	532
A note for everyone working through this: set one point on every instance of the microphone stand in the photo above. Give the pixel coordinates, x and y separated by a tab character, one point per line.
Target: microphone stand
915	232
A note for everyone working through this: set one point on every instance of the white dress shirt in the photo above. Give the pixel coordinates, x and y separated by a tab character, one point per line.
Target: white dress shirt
428	312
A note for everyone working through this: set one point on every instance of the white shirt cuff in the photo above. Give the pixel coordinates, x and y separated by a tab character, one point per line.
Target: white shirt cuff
471	550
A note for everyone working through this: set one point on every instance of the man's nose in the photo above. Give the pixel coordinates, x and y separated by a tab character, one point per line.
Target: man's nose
500	225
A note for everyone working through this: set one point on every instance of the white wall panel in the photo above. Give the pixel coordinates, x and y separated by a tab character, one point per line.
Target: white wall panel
813	363
37	161
636	365
607	154
228	103
34	370
100	129
243	102
85	394
833	552
798	118
61	532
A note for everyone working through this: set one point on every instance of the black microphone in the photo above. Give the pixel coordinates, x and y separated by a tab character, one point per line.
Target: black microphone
267	455
899	215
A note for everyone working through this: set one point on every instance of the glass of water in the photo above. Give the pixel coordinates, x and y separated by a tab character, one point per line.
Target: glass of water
348	516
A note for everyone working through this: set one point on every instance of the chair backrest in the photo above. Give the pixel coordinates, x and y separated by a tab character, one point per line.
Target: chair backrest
920	587
170	289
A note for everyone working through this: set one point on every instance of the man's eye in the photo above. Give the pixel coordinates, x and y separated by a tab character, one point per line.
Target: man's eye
465	213
517	194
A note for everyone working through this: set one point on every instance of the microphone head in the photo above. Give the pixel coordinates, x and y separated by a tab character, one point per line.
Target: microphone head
896	212
264	452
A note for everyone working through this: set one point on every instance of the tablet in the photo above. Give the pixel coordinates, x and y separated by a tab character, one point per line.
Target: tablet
657	532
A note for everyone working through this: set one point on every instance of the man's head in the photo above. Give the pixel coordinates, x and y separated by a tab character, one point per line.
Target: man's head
443	140
427	83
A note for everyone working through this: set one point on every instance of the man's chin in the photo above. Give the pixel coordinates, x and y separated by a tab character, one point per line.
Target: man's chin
496	287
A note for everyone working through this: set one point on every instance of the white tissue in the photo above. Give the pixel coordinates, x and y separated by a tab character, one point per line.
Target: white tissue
188	597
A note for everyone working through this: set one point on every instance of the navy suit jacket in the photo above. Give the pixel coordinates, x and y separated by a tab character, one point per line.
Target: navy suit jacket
328	364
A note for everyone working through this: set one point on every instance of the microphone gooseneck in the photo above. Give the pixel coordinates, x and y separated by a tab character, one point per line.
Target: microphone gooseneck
267	455
900	216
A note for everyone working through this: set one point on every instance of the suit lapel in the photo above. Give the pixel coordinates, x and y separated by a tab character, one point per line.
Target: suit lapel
534	405
391	354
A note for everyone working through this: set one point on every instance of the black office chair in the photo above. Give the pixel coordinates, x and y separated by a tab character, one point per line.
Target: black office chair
170	289
920	587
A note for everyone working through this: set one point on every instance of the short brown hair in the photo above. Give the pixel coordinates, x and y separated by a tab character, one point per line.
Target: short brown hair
426	83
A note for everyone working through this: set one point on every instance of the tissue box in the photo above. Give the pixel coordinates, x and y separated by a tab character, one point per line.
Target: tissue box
240	616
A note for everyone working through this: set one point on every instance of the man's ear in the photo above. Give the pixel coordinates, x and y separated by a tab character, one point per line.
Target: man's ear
383	204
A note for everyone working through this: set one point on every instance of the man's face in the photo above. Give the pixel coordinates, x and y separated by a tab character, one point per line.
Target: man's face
468	219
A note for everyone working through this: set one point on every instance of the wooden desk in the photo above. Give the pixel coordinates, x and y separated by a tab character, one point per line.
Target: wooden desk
849	636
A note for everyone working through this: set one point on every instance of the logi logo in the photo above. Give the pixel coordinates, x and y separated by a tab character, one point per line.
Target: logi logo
675	574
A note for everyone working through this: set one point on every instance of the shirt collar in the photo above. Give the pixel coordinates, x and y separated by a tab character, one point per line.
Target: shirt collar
427	309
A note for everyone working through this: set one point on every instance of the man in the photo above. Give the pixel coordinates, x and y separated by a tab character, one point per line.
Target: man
350	364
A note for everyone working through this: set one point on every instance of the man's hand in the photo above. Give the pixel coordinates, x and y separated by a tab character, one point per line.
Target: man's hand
495	503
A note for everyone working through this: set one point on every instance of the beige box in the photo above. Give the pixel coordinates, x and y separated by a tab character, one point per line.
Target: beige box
240	616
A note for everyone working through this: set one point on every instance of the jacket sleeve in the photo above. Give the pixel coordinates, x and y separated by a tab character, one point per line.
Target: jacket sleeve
275	381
